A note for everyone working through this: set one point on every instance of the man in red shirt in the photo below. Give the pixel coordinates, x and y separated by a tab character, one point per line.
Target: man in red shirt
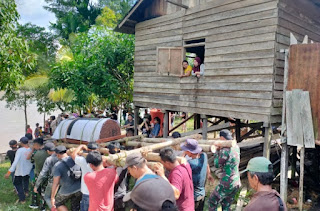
100	184
180	178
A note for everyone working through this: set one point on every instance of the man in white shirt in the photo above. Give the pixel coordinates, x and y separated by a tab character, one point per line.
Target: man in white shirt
21	167
85	168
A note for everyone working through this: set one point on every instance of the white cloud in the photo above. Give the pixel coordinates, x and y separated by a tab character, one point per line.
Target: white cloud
33	11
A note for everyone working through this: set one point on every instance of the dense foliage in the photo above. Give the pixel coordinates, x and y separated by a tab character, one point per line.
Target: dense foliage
102	65
16	59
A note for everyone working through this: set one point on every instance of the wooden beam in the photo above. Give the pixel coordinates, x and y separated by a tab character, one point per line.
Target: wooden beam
302	152
130	13
205	128
267	142
181	123
177	4
284	151
136	118
166	124
210	129
238	130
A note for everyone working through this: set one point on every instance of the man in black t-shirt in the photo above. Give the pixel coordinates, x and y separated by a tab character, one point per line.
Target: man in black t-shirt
12	153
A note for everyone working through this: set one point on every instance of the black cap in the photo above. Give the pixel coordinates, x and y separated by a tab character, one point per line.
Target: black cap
13	142
29	136
93	146
24	140
176	135
60	149
49	146
226	134
114	147
38	141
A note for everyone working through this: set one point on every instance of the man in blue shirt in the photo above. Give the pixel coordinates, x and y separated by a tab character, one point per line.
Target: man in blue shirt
156	129
199	167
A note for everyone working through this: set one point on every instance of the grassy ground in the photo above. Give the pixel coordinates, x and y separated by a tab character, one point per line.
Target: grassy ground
8	197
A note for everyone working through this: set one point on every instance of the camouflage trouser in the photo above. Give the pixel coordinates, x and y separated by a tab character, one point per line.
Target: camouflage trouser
223	196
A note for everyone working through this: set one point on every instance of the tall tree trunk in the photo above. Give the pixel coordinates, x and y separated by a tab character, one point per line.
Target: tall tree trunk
25	109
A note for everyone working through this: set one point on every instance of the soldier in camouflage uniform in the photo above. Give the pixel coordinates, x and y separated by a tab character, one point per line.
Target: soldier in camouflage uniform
225	164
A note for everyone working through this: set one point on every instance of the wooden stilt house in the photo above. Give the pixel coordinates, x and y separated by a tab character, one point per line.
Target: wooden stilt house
239	42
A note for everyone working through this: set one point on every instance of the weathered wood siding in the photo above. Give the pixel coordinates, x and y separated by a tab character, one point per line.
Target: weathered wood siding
300	17
239	59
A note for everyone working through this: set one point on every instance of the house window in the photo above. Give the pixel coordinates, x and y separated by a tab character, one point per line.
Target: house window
194	48
169	60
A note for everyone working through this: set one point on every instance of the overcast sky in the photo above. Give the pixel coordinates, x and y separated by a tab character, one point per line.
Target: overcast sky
33	11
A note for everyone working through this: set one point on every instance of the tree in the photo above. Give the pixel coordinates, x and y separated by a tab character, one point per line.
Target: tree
25	95
107	18
16	59
73	16
102	65
62	97
120	7
42	43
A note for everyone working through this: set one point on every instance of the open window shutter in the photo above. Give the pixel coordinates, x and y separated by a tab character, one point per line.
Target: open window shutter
170	60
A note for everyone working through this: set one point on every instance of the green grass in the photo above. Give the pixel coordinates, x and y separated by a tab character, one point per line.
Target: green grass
7	195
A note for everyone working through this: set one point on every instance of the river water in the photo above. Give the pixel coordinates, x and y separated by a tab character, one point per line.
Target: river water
12	122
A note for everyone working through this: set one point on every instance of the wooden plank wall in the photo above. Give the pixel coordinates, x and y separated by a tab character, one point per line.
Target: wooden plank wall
239	59
301	17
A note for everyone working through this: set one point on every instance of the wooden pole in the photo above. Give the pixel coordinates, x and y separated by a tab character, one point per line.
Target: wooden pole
136	119
126	139
124	154
196	123
285	149
204	127
302	151
166	124
267	142
238	130
181	123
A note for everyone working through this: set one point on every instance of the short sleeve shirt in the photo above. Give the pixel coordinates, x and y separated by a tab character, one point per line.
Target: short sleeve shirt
181	178
188	69
11	154
85	168
199	174
39	158
101	188
67	184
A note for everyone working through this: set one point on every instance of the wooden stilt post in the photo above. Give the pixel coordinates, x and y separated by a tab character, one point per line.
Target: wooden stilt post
238	130
267	142
166	124
285	150
301	178
196	121
136	119
284	172
293	162
204	127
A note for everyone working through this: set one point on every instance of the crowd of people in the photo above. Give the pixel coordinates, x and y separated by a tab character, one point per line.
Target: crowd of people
83	179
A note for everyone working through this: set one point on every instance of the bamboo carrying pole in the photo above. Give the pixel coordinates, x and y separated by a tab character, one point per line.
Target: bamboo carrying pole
126	139
124	154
